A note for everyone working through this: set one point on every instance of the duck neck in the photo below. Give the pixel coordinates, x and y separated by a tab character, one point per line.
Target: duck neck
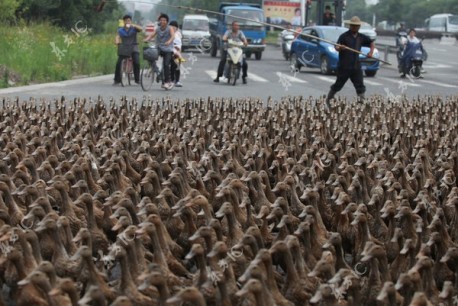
300	266
271	283
126	278
235	206
59	250
90	180
164	294
94	276
157	250
340	261
33	173
231	222
35	244
208	211
190	226
249	216
291	273
374	276
73	295
27	253
20	267
202	265
67	209
133	214
224	300
91	223
10	203
260	298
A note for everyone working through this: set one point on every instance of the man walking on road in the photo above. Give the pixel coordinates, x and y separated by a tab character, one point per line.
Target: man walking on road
349	66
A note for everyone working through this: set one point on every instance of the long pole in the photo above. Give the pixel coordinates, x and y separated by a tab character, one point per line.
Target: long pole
198	10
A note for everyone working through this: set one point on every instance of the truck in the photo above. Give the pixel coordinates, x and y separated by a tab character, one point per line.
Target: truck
196	32
254	31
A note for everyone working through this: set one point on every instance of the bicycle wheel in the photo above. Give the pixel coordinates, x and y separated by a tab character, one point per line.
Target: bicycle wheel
147	77
125	79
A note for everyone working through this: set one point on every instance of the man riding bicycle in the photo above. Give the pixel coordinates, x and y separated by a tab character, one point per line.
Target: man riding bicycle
165	35
126	39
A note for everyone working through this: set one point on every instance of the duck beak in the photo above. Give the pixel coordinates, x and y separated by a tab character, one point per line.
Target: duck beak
143	286
317	297
190	255
445	258
85	301
382	296
242	292
24	282
173	300
54	292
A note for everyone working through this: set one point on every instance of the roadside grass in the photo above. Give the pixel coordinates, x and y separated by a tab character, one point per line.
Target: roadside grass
28	56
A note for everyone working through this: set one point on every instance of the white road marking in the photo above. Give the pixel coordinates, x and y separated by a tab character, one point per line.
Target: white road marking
372	82
438	83
326	79
405	81
256	78
290	78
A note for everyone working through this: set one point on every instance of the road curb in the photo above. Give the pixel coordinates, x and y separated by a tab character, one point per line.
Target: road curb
12	90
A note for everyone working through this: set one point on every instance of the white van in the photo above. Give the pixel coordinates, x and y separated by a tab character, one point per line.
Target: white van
443	23
196	32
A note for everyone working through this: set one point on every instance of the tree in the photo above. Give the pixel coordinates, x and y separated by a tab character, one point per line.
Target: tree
66	13
8	9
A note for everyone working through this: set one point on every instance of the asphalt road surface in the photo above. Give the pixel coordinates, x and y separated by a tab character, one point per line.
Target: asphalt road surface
269	77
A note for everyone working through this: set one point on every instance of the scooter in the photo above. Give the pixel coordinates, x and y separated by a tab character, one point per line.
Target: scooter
286	41
413	60
234	61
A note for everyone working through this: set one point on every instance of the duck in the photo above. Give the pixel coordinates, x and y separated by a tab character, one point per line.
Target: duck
127	286
190	295
261	295
31	292
295	289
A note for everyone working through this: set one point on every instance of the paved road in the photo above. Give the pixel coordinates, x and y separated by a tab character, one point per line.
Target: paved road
271	76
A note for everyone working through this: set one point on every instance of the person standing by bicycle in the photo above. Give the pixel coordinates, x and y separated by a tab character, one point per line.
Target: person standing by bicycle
126	39
165	35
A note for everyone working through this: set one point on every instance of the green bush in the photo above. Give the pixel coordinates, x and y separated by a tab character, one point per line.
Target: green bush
44	53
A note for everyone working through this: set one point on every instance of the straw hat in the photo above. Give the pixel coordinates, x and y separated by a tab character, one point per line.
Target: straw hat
355	21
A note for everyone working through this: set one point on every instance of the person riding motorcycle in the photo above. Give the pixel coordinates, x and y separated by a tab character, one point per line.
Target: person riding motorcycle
236	35
411	46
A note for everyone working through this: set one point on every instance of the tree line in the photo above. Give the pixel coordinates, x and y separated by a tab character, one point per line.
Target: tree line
62	13
412	12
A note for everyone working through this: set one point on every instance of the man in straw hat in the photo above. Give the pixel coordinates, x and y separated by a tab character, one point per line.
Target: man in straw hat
349	66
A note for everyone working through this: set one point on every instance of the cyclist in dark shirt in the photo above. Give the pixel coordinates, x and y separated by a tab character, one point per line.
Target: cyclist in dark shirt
127	36
349	66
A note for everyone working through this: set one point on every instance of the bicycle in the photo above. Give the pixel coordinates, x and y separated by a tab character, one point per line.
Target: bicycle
150	70
127	71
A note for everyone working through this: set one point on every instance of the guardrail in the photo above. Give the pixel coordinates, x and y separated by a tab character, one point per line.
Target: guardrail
386	49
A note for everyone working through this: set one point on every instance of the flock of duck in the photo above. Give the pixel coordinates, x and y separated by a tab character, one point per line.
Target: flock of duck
229	202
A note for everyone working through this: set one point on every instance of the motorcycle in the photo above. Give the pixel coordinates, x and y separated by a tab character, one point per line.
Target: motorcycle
286	41
234	61
412	60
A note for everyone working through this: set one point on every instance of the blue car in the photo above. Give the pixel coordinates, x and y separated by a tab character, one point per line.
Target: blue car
309	52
